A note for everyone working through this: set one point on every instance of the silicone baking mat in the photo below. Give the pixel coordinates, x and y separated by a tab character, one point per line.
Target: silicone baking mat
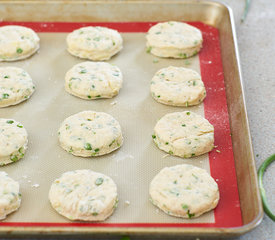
135	164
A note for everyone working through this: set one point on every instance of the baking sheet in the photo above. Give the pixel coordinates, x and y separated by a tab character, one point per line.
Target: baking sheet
132	166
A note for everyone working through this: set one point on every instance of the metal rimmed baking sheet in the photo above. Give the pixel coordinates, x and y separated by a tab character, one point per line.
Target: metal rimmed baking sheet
52	77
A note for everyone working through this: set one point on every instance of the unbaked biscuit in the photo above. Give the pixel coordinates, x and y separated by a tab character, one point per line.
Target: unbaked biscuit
174	39
84	195
89	134
94	43
13	141
17	42
10	197
93	80
16	86
184	191
178	86
184	134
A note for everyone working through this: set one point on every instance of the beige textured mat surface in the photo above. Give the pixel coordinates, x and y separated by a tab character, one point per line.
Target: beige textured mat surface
132	166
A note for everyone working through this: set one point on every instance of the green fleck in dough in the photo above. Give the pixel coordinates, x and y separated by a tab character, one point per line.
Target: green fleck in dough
148	50
196	177
5	96
21	150
116	204
97	39
190	215
182	55
184	206
88	146
71	150
83	71
99	181
19	50
14	158
111	143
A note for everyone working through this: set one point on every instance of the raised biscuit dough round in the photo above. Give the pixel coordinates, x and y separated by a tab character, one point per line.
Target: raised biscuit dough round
93	80
184	191
174	39
184	134
16	86
10	198
178	86
89	134
84	195
13	141
94	43
17	42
